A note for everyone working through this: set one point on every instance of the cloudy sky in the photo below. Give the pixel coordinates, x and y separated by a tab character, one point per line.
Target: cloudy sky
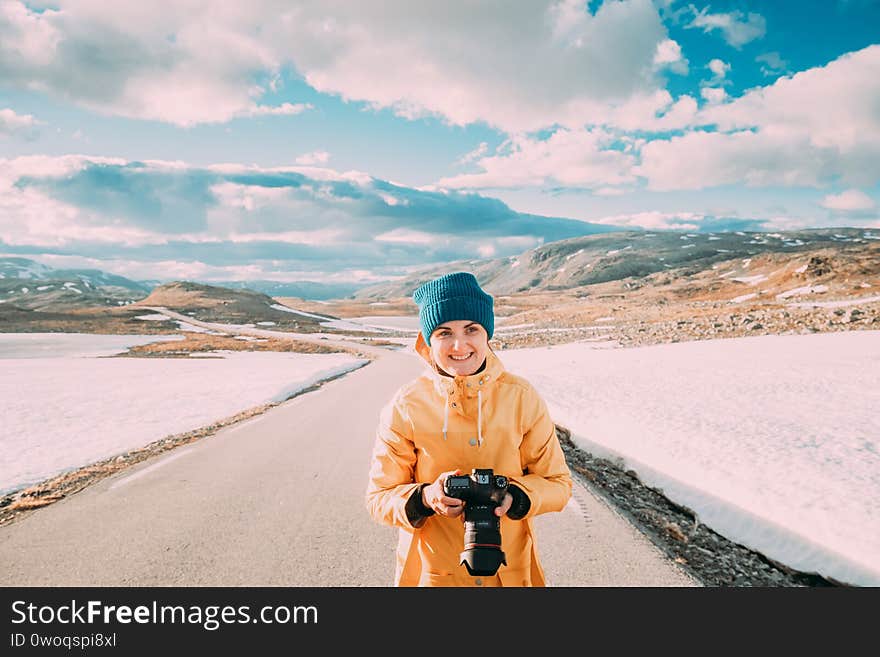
355	141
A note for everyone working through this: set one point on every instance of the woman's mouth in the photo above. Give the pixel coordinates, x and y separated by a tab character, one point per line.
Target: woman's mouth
461	358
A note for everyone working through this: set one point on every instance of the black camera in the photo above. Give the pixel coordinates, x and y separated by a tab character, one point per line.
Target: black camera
482	492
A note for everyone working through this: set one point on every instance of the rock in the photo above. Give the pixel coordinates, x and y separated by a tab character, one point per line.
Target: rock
675	531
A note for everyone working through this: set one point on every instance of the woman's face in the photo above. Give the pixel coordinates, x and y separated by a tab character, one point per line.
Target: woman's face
459	347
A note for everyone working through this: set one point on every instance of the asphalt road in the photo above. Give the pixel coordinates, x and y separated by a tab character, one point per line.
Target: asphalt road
278	501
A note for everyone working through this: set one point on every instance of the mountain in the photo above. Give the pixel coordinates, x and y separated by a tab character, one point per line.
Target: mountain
31	285
22	268
210	303
631	255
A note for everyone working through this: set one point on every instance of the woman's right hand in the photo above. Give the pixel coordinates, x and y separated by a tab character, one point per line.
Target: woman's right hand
434	498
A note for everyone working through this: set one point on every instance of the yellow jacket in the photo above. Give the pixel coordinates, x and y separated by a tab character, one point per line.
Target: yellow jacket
492	419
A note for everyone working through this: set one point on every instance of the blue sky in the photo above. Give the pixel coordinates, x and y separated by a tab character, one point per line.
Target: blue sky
341	141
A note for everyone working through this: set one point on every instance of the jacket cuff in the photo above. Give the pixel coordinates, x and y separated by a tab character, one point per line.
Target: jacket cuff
521	503
416	511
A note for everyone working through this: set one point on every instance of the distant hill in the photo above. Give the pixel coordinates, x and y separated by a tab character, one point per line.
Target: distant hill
22	268
594	259
210	303
33	286
30	285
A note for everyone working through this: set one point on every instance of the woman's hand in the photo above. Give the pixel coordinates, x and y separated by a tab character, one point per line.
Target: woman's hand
434	498
505	505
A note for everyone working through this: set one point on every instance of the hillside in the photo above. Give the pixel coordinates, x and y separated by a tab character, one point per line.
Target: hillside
30	285
209	303
594	259
643	288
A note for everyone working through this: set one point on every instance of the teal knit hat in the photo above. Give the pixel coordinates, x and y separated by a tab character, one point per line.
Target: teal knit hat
453	297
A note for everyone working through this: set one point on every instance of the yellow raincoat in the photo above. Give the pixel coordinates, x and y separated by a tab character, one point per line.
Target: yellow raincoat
491	419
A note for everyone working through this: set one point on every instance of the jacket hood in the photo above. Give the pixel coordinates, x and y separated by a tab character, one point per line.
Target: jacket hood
464	393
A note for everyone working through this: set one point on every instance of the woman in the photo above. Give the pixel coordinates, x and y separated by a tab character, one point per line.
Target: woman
464	412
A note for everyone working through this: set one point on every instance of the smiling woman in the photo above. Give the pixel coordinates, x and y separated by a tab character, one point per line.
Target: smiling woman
459	347
465	416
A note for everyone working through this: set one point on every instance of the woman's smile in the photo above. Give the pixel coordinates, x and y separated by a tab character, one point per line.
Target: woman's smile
459	347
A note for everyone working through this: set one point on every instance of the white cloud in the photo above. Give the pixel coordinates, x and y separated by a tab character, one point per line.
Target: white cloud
475	154
390	199
851	200
315	157
406	236
832	106
699	160
813	128
232	215
719	68
180	62
519	67
654	220
669	54
713	94
657	112
609	191
17	125
572	158
772	63
737	28
284	109
321	237
47	166
248	197
566	18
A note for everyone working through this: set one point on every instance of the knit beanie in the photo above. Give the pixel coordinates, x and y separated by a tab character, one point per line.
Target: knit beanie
453	297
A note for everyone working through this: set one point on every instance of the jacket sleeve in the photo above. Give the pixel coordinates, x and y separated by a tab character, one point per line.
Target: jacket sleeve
546	478
392	470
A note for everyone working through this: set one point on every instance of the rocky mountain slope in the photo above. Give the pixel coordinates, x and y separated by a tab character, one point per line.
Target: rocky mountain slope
594	259
30	285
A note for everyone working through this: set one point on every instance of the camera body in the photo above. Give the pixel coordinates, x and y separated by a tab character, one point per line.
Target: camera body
482	491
